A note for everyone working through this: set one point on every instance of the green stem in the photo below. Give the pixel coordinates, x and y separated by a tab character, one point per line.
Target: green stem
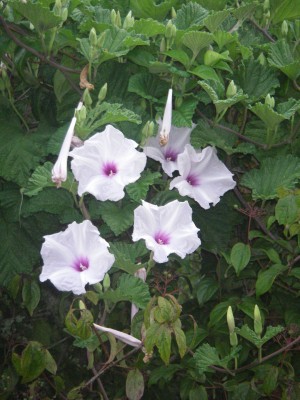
52	38
259	354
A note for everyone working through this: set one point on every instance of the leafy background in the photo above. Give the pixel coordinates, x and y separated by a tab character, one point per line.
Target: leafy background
250	240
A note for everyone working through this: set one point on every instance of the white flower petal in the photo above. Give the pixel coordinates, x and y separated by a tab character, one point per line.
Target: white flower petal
167	121
203	176
106	163
75	257
124	337
166	229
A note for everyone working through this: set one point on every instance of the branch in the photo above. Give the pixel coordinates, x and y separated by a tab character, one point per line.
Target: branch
36	53
226	129
263	31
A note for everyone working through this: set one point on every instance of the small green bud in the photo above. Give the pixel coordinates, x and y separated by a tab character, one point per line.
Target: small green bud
102	92
173	13
169	30
118	21
284	28
81	114
231	90
64	14
147	131
211	57
57	8
266	5
81	305
101	40
262	59
233	339
270	101
113	16
174	30
257	321
128	21
230	320
93	37
106	282
162	46
87	98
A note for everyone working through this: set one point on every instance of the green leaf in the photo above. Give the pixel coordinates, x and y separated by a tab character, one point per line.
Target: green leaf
267	277
178	55
163	342
33	361
270	379
224	38
281	57
130	289
249	335
245	11
287	210
134	385
50	364
256	80
205	356
206	290
119	219
149	27
164	373
240	256
213	21
182	116
129	251
180	340
148	86
41	17
20	152
274	173
271	332
205	72
150	8
196	41
61	85
190	16
31	295
219	312
283	10
270	117
198	393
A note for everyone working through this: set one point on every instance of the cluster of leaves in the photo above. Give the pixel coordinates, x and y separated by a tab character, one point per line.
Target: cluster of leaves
250	240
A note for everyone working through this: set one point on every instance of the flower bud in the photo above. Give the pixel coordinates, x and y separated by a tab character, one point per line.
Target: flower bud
168	32
284	28
162	46
102	92
81	305
118	21
128	21
81	114
64	14
106	282
101	40
270	101
257	321
266	5
211	57
57	8
87	98
93	37
230	320
173	13
233	339
231	90
113	16
262	59
173	31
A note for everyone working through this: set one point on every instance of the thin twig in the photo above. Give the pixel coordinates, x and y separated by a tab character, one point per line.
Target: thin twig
101	387
41	56
296	86
262	30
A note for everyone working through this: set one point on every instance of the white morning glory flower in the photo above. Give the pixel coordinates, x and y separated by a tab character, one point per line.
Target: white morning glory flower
106	163
59	170
166	229
124	337
203	176
75	257
169	142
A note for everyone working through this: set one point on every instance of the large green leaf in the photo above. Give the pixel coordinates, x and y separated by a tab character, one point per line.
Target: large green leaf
274	173
150	8
137	191
149	27
20	152
196	41
281	57
283	10
40	17
182	116
256	80
190	16
213	21
119	219
148	86
206	355
267	277
130	289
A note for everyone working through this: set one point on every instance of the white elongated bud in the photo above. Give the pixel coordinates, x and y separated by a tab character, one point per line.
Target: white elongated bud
257	321
167	121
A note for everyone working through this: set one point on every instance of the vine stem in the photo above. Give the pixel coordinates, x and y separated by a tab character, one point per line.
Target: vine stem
36	53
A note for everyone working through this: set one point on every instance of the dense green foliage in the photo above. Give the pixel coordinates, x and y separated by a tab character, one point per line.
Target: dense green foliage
250	240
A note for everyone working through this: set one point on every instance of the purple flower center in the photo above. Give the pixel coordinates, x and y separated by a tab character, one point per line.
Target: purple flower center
162	237
81	264
193	180
171	155
109	169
